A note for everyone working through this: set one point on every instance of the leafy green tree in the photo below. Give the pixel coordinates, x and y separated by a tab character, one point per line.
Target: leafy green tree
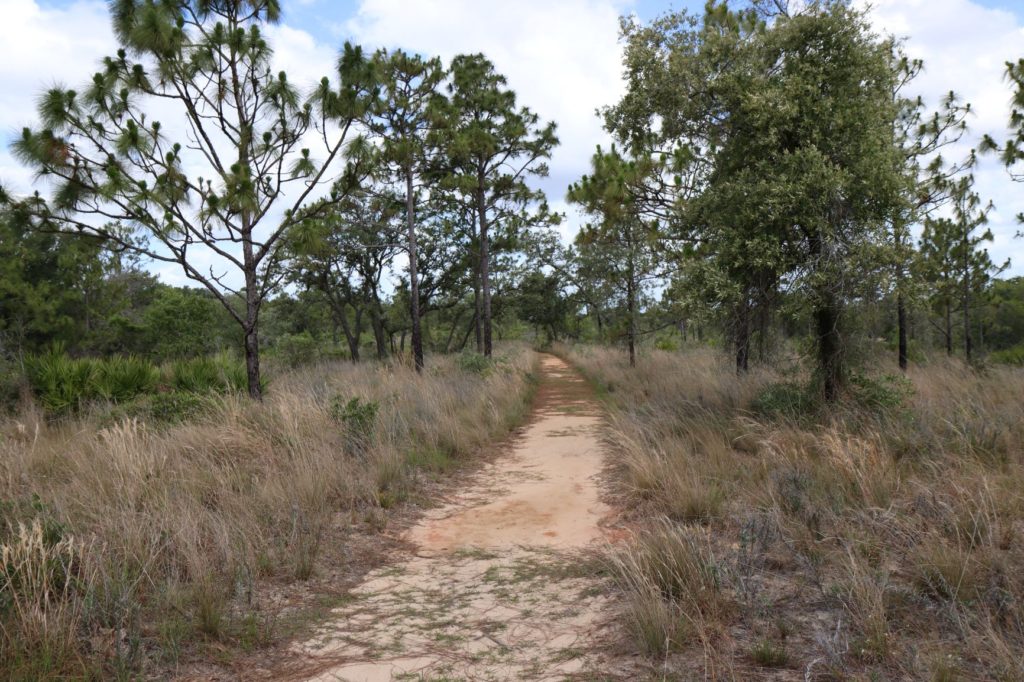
401	119
829	131
42	278
491	146
788	130
690	87
343	256
183	323
540	301
1006	313
224	176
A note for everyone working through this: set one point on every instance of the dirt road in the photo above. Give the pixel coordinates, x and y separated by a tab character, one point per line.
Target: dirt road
500	587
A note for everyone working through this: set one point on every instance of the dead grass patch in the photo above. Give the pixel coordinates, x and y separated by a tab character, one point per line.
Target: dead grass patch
885	533
168	536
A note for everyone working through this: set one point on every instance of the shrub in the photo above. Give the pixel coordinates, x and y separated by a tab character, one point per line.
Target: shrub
1009	356
216	374
59	382
359	419
174	407
885	392
63	384
786	399
474	363
123	378
667	344
769	653
296	350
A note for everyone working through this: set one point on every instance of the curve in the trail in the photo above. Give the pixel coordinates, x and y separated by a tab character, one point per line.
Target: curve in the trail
495	590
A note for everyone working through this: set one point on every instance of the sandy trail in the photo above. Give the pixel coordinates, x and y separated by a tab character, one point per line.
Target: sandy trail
498	588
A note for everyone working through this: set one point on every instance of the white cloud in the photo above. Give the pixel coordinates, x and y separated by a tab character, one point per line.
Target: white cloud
41	47
562	57
965	48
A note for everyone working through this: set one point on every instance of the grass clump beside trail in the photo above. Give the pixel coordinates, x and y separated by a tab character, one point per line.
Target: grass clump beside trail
129	550
880	539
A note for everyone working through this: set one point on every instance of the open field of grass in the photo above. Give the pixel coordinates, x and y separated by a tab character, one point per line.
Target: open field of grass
130	546
880	539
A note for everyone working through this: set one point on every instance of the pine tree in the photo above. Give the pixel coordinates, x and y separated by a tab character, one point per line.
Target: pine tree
621	246
955	262
223	177
491	147
402	119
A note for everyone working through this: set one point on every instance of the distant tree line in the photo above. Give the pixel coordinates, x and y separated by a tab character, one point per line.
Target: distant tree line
772	177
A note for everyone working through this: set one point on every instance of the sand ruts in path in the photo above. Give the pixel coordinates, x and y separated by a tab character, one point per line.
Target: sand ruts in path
497	588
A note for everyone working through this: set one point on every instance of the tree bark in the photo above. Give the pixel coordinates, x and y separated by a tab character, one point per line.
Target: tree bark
478	310
967	299
353	340
451	332
901	322
762	331
949	329
377	322
631	310
901	307
252	315
830	348
465	338
485	265
741	338
414	288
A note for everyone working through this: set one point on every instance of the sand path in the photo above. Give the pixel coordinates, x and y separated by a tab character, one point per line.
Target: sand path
500	586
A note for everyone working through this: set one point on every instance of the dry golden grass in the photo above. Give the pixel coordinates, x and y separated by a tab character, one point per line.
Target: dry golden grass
140	539
861	542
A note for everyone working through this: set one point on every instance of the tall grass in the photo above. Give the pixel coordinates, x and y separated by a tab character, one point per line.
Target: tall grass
878	539
171	535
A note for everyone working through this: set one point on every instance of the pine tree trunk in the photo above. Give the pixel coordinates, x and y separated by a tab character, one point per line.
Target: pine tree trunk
949	329
252	363
631	310
485	265
414	287
478	310
901	307
353	339
967	303
762	332
252	313
901	322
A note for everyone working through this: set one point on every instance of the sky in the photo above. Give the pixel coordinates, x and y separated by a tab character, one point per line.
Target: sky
562	57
